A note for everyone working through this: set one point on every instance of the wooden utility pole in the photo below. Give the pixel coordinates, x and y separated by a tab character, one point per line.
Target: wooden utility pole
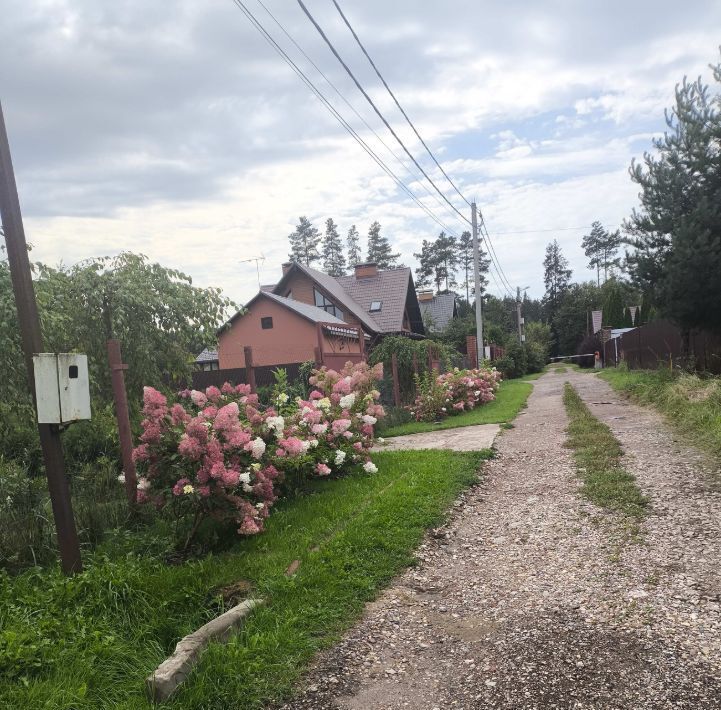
32	342
480	351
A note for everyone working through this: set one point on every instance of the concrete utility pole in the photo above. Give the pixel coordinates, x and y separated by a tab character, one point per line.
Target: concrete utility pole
480	350
32	342
519	318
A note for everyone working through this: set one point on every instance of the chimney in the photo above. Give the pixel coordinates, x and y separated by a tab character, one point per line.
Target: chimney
366	271
425	296
286	267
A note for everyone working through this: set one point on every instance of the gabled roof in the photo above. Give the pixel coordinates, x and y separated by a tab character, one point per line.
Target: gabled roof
336	291
439	310
312	313
389	286
207	356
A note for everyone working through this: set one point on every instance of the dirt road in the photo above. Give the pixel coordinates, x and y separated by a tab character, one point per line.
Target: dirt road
534	598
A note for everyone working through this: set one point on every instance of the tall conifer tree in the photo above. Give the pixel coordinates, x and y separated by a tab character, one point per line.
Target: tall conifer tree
304	242
379	248
333	258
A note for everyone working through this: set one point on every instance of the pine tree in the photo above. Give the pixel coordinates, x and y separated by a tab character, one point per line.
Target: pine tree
677	231
613	308
354	250
426	264
304	242
556	276
464	251
379	248
601	247
333	259
446	261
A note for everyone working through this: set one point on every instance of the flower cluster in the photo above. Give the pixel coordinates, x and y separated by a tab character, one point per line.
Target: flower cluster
219	453
454	392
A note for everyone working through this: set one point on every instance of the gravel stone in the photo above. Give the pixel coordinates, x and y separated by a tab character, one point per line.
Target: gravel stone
531	597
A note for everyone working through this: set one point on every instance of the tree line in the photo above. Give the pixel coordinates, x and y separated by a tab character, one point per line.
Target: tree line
308	246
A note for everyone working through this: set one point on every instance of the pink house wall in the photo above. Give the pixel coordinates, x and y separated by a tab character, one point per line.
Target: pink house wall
291	339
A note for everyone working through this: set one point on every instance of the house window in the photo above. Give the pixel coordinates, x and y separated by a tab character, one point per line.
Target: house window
376	306
328	306
266	323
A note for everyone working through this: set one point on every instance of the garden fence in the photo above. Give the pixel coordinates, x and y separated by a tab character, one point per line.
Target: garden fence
659	344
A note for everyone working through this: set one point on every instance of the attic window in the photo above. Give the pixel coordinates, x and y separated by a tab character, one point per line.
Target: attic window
376	306
326	304
266	323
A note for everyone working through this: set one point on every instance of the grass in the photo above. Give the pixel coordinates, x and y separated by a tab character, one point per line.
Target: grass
511	396
89	641
598	456
691	403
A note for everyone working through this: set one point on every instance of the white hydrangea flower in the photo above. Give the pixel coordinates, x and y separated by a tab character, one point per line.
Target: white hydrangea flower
121	477
276	424
188	489
255	466
323	403
347	401
283	398
370	467
257	447
339	457
368	419
260	506
244	477
143	484
313	443
247	488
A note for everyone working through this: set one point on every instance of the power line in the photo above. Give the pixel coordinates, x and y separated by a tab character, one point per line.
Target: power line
397	103
375	108
266	35
349	104
552	229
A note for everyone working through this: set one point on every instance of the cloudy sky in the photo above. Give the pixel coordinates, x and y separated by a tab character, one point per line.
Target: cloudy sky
173	128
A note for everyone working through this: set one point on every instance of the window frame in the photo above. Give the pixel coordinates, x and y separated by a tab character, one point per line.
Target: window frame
320	300
264	321
376	310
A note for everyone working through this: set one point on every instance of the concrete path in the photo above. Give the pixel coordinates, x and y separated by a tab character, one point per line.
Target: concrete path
532	598
467	438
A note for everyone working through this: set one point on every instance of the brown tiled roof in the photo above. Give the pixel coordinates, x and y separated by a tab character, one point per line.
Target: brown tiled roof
334	289
390	287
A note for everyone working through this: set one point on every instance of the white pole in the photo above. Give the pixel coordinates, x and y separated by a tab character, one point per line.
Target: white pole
480	353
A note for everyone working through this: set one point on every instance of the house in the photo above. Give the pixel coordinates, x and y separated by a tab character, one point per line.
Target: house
207	360
309	315
437	309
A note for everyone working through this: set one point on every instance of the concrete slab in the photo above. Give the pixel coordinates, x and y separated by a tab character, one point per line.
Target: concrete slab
467	438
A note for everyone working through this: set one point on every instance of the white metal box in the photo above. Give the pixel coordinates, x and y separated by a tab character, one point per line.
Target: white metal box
62	387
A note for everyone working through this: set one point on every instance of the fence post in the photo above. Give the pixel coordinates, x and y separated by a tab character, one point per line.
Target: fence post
396	384
120	396
249	370
318	357
361	344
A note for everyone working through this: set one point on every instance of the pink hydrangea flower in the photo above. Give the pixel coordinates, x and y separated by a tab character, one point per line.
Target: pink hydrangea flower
198	398
322	469
341	425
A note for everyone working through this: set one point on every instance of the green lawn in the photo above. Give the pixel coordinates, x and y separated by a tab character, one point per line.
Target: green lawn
89	641
511	396
598	456
691	403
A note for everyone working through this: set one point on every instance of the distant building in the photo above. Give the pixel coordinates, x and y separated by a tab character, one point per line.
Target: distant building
207	360
308	309
438	310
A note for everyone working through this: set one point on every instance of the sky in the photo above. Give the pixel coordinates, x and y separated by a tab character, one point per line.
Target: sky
175	130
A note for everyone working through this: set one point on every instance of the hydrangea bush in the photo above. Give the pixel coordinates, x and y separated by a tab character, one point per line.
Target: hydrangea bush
220	454
454	392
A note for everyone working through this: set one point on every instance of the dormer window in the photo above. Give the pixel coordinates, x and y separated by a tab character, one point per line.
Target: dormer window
326	304
376	306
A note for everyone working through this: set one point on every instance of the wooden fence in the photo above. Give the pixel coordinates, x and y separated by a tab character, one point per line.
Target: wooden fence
660	343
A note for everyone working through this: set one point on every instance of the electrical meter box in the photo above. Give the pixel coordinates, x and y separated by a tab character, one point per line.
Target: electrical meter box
62	387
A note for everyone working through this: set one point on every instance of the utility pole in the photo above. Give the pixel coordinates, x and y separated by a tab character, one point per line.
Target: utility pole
519	318
480	351
32	342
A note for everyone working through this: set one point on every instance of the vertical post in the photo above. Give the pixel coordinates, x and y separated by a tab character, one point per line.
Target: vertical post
249	369
31	336
518	314
396	384
318	357
319	336
477	282
120	396
362	344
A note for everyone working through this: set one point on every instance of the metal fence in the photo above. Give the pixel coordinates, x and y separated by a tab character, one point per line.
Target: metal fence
660	343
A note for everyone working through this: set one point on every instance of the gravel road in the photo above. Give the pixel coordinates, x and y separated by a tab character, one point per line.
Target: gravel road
531	597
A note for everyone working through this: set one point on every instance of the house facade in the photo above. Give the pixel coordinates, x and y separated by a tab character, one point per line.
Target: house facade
438	310
309	315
